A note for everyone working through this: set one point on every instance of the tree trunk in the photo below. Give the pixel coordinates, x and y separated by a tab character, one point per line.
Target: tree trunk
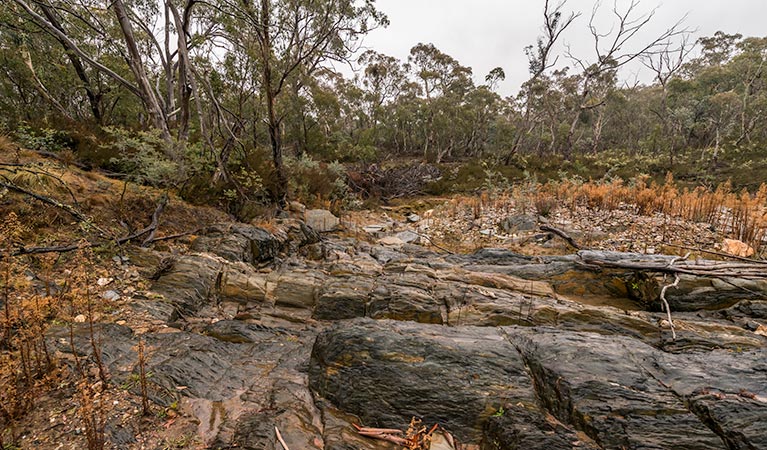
280	188
94	99
152	104
185	77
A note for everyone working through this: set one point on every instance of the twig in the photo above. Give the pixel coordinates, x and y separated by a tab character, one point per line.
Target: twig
561	234
155	219
674	285
151	229
170	236
279	438
377	430
38	172
73	247
384	437
77	164
434	243
711	252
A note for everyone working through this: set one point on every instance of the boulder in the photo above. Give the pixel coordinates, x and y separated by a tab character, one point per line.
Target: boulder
737	248
626	394
237	242
321	220
190	283
518	223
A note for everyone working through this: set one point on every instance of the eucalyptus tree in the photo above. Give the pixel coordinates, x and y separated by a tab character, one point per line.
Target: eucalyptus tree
613	49
141	47
540	60
289	38
444	82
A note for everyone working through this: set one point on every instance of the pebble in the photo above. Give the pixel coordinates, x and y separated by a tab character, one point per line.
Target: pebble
110	295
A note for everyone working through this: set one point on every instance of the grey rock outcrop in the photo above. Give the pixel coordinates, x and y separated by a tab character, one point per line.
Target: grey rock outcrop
254	330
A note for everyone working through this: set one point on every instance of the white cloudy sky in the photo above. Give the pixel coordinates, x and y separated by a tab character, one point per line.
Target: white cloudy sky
484	34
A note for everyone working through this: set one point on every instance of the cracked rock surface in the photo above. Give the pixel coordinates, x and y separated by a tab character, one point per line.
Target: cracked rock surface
252	330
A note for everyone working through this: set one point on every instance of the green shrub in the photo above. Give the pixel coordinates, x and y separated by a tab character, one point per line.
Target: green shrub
45	139
141	157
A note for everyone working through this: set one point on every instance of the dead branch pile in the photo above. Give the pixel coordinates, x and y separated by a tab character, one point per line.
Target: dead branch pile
395	182
417	436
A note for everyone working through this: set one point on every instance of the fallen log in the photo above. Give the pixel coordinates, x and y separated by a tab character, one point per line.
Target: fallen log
667	264
704	284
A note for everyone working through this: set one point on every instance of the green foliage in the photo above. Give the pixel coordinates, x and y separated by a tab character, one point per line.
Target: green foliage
703	122
142	158
314	182
494	181
45	139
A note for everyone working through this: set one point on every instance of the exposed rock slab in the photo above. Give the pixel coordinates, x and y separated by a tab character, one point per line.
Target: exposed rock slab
237	242
388	372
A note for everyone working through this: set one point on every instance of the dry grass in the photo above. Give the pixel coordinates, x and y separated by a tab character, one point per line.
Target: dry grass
739	215
7	146
29	369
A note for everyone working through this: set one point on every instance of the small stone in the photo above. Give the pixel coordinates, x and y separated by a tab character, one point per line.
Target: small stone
737	248
391	241
519	222
486	232
110	295
80	318
104	281
372	229
413	218
408	237
296	207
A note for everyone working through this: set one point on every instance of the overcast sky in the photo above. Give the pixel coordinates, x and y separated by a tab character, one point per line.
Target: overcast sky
484	34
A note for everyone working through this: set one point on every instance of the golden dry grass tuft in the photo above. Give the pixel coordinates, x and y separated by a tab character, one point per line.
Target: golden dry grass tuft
7	145
740	215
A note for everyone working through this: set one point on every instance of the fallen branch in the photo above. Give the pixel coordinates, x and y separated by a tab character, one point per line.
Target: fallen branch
377	430
73	247
58	157
80	217
434	243
562	235
171	236
120	241
674	285
155	219
712	269
279	438
726	255
38	172
383	434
